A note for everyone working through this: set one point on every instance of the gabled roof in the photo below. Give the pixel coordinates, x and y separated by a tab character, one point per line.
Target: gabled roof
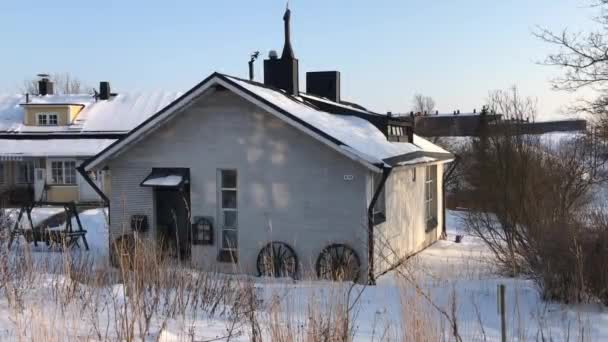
350	135
118	115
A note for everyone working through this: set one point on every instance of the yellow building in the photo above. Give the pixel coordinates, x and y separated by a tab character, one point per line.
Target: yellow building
44	137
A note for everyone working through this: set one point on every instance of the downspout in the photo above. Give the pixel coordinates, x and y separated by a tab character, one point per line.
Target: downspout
85	176
444	233
386	171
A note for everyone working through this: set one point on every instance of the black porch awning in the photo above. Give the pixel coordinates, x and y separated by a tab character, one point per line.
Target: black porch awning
167	178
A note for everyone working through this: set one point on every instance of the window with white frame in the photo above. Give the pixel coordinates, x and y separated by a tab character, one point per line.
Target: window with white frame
430	196
228	209
25	172
63	172
47	119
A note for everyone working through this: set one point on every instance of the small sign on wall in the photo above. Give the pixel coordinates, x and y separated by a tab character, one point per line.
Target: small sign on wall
349	177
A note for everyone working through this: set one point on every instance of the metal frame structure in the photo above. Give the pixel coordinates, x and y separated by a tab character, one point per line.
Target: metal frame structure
67	237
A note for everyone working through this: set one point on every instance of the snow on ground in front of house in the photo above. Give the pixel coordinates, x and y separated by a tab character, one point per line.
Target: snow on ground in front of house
466	268
38	215
94	221
442	270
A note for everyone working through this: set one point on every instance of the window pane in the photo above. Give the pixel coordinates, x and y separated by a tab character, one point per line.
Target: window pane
229	240
30	172
230	218
57	172
229	199
1	172
229	179
70	172
25	172
52	119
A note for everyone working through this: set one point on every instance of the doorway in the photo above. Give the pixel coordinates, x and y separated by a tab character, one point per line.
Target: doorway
173	221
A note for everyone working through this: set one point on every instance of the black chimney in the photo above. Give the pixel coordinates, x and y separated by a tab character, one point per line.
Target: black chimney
45	85
283	72
104	90
324	83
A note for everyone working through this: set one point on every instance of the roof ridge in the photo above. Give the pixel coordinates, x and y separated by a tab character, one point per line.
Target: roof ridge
278	90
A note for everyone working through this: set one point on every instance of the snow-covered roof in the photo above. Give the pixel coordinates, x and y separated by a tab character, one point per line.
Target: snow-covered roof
52	147
415	161
120	114
348	107
168	180
428	146
351	135
359	134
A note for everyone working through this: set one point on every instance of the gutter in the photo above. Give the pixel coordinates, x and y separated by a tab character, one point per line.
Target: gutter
51	136
386	171
85	176
444	233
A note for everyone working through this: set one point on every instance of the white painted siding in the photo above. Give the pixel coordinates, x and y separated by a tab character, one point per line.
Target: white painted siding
405	227
291	187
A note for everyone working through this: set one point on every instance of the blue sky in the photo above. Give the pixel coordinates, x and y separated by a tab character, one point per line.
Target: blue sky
454	51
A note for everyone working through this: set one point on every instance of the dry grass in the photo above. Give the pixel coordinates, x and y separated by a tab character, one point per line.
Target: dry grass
149	297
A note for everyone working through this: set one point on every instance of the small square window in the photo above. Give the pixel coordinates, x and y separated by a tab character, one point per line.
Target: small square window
229	179
47	119
230	218
229	239
42	120
229	199
63	172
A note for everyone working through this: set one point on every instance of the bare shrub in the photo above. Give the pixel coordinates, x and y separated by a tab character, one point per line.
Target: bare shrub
528	199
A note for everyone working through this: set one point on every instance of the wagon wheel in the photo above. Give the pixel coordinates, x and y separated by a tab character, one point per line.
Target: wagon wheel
338	262
277	259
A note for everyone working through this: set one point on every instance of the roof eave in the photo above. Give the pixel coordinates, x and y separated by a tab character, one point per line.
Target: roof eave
439	157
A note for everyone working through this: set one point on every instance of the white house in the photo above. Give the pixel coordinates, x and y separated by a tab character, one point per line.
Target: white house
260	178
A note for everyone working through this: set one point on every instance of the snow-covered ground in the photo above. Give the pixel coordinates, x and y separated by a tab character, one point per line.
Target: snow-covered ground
445	274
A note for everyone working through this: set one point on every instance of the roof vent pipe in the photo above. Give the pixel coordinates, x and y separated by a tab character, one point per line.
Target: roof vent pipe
254	56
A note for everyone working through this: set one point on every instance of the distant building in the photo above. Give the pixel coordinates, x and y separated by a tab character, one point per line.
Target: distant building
467	124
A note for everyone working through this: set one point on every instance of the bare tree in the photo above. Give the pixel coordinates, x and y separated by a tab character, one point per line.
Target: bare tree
583	59
423	104
512	105
65	84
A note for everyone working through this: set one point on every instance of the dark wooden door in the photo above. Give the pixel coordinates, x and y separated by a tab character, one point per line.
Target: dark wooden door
172	220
